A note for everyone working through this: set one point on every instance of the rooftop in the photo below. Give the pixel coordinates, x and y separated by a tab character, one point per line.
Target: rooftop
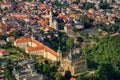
40	46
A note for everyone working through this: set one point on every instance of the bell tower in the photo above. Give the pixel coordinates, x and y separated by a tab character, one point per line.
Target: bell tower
59	54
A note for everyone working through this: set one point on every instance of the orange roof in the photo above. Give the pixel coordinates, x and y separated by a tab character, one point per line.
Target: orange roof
46	28
81	1
61	15
40	46
11	38
1	78
35	48
104	33
89	15
91	10
43	6
73	15
3	51
12	29
72	79
20	40
2	25
73	5
43	21
117	33
19	15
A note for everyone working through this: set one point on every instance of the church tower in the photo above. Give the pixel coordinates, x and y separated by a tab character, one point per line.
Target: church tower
59	54
50	19
55	25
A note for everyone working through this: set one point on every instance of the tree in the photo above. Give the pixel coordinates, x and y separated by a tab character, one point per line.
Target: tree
105	72
39	67
53	68
58	76
112	28
88	5
117	20
105	57
104	5
67	75
70	43
46	68
2	37
14	33
79	39
88	22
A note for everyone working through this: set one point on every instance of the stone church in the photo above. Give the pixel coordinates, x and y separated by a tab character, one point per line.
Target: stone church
74	62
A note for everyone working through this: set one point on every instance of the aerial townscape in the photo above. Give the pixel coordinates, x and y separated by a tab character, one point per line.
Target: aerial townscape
59	39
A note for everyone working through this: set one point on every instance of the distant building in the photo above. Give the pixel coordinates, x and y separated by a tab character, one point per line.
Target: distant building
109	1
3	28
27	73
3	52
52	24
10	39
2	42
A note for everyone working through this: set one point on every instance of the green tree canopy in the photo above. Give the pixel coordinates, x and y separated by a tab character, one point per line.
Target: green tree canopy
104	5
106	56
69	43
88	22
105	72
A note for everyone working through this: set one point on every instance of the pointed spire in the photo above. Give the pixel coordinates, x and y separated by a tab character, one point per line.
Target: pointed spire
59	53
70	55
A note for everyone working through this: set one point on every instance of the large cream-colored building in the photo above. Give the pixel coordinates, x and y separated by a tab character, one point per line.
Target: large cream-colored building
34	47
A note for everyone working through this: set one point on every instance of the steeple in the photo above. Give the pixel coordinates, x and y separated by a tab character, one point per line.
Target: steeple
59	54
70	55
50	18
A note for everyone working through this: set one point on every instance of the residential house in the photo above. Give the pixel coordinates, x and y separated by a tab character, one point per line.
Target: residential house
25	62
3	27
3	63
2	76
3	52
72	79
10	39
2	42
68	29
5	5
27	72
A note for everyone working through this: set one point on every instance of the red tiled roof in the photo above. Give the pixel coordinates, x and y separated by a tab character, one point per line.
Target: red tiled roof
1	78
22	40
3	51
62	16
73	15
74	5
46	28
40	46
11	38
35	48
2	25
72	79
44	21
19	15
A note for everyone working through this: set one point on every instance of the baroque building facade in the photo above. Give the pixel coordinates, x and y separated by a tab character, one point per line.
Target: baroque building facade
74	62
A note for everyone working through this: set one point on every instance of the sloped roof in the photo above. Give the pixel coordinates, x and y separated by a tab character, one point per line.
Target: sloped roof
3	51
40	46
